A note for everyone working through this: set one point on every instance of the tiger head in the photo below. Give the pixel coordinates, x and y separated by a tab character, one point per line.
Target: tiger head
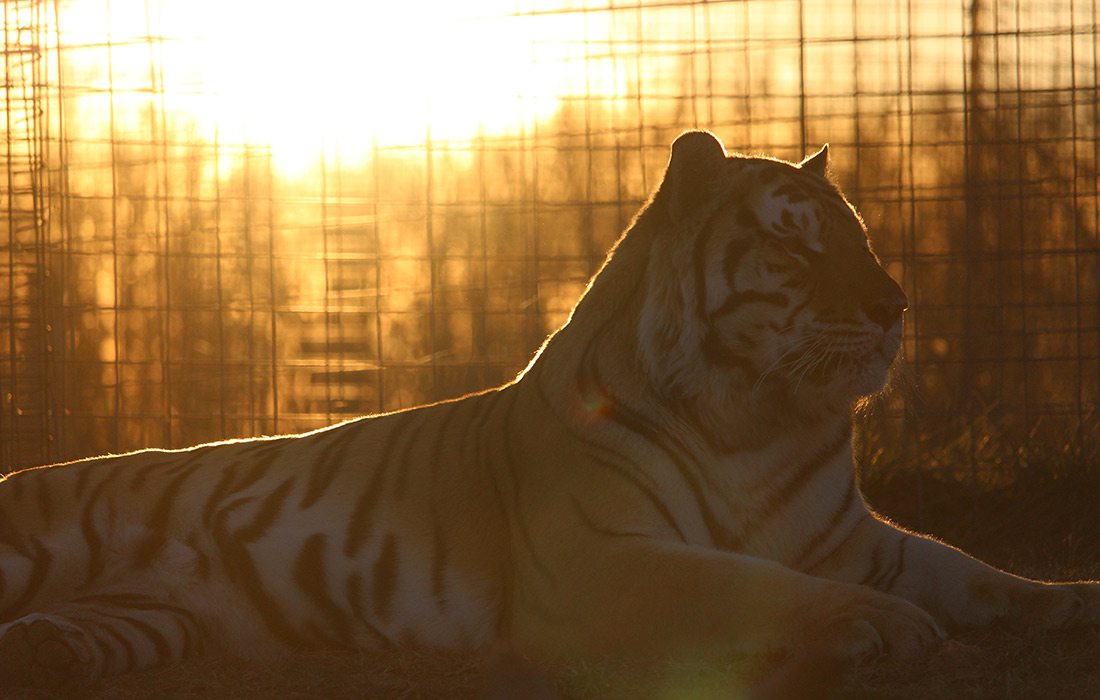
762	287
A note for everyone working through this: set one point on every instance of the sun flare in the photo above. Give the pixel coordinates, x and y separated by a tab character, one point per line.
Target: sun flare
337	76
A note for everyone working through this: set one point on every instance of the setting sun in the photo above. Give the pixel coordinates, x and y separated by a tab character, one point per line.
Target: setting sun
342	77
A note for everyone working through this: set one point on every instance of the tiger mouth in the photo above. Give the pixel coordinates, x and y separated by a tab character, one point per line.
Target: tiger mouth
841	362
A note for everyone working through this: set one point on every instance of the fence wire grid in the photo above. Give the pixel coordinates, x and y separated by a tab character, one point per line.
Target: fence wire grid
175	268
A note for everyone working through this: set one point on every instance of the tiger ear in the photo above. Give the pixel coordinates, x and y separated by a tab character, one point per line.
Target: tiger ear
697	158
818	162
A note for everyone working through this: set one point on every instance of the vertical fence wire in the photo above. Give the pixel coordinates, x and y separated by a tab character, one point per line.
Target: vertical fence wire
26	424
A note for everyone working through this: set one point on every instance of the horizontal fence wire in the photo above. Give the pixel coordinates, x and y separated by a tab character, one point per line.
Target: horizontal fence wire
187	258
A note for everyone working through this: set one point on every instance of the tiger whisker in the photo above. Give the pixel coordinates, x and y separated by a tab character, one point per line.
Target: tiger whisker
790	357
820	359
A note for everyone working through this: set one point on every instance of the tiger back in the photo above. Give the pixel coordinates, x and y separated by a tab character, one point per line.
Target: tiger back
672	473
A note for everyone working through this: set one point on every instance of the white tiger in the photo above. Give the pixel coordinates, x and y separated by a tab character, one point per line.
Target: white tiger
671	474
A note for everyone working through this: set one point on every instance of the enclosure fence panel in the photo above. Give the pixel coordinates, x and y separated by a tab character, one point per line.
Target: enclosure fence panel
238	220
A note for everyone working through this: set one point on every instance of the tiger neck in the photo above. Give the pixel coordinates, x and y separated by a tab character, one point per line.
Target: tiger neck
734	418
598	377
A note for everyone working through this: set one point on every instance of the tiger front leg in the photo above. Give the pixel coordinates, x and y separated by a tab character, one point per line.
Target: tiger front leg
957	589
649	598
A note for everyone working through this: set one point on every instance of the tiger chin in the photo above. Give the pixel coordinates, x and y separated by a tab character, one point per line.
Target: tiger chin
671	474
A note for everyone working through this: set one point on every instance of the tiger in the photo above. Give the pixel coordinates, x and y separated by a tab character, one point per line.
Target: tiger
672	473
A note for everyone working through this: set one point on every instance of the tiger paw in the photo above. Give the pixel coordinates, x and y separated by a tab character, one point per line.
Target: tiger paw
41	651
1055	606
1028	605
1089	594
872	625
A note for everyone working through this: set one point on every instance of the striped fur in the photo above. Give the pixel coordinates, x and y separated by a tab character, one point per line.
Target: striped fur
672	473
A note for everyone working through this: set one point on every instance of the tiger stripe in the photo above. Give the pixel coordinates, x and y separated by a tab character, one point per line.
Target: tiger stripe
649	491
9	535
404	462
353	591
360	523
41	562
203	567
384	578
160	643
439	562
157	522
141	475
222	490
882	576
802	474
220	500
326	466
89	529
240	567
45	503
520	522
700	260
591	524
735	301
899	568
842	509
720	355
439	544
312	577
123	641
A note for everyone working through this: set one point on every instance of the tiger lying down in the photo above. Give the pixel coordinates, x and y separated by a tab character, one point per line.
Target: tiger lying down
672	473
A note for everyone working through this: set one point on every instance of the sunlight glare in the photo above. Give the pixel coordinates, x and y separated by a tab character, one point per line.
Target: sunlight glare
345	77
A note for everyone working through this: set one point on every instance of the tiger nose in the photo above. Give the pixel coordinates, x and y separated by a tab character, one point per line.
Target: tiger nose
886	311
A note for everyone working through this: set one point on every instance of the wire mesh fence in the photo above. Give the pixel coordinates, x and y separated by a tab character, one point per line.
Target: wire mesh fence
209	237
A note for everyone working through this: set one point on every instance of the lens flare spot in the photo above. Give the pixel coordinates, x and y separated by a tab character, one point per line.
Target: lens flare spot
595	405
